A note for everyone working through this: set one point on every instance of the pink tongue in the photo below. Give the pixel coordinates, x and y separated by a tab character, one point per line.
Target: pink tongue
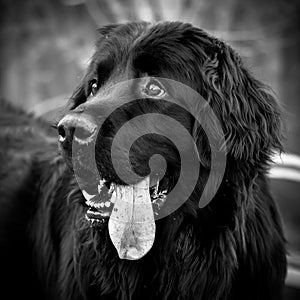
131	224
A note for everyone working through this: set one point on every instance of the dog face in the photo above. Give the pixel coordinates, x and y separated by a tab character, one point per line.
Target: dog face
144	56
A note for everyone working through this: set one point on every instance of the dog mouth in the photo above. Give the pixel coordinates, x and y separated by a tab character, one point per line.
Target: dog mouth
131	210
100	202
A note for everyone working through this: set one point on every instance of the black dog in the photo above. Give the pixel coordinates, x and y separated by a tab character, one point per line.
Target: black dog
55	240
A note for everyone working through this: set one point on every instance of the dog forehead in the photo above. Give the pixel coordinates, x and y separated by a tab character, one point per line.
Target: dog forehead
121	40
116	40
173	50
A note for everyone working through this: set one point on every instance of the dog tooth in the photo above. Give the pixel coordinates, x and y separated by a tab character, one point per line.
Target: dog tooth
113	199
155	192
87	196
101	204
98	205
111	188
107	204
100	185
105	214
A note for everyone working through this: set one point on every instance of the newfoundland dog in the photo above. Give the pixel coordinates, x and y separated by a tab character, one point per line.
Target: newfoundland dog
80	221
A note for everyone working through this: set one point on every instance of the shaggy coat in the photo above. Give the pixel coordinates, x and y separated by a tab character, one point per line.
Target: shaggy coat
233	248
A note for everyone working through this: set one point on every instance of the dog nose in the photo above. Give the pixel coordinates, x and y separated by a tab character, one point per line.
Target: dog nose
80	128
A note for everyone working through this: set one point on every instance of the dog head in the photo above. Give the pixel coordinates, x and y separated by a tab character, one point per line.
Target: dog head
137	61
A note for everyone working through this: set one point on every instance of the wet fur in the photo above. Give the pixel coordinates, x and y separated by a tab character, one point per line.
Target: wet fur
232	249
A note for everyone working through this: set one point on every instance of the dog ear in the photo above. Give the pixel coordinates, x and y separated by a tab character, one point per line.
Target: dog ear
247	109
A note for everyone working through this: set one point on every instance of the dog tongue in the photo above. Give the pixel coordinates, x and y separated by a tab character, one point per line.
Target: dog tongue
131	224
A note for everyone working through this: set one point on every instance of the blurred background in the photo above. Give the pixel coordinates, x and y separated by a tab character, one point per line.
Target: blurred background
46	46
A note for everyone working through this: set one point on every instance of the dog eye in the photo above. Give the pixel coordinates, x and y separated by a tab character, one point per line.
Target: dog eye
93	88
154	89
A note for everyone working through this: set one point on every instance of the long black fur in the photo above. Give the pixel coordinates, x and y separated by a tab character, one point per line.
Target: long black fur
233	248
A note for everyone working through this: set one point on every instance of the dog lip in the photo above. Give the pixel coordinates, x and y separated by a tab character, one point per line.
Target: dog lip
96	214
86	140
